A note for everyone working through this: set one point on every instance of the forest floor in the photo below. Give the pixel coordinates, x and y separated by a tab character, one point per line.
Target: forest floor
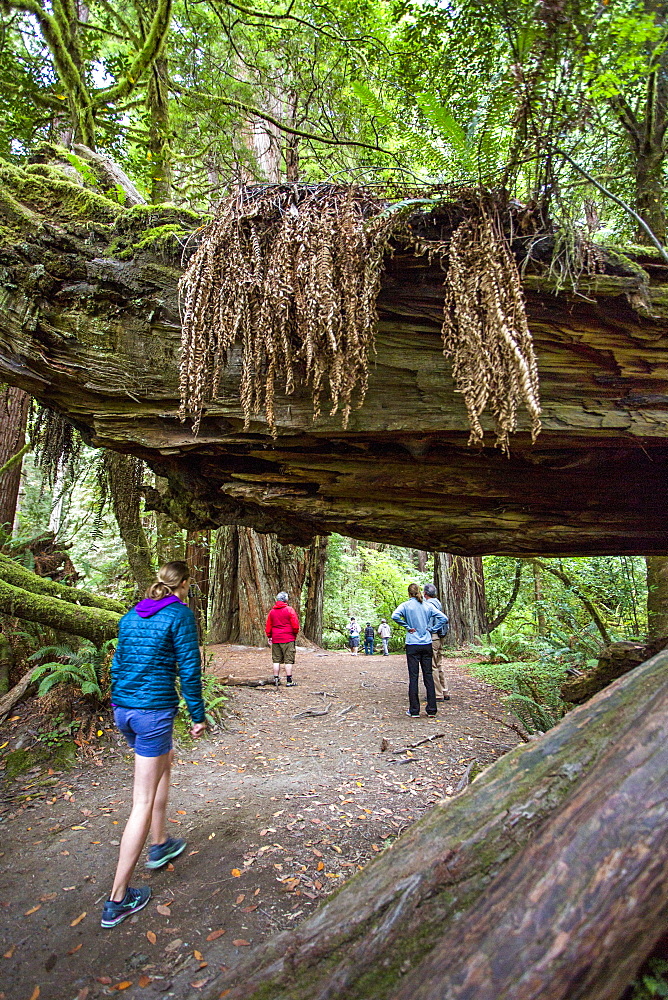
278	811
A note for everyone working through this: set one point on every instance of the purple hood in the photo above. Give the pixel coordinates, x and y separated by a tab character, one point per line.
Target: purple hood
148	607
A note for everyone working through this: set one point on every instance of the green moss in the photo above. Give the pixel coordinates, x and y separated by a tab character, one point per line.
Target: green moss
43	188
158	241
60	758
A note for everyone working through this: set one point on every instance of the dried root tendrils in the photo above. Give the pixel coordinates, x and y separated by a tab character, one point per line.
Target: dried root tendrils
485	329
292	274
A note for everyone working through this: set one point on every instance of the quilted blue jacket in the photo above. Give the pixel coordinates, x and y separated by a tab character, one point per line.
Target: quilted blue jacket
149	654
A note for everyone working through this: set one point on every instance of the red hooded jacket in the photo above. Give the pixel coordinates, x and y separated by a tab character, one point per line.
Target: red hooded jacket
282	623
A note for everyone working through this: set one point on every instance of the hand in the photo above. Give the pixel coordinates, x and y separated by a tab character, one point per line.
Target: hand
198	729
268	640
411	630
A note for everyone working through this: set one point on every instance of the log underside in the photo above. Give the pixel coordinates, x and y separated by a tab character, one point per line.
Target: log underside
97	338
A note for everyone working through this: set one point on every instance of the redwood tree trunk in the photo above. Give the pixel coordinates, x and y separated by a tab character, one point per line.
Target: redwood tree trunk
316	565
14	405
460	583
657	596
251	569
124	484
198	557
546	878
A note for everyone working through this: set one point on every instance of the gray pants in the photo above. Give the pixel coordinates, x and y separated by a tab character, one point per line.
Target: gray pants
385	646
440	681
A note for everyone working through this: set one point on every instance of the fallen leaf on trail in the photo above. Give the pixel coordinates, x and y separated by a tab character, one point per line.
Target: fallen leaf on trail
35	993
199	983
241	897
236	872
67	888
215	934
249	909
77	920
174	945
257	892
33	910
122	986
375	847
144	981
83	993
321	865
211	836
224	993
10	951
170	867
318	885
77	828
152	937
76	948
180	812
240	943
192	852
177	821
317	853
198	955
337	849
164	910
47	897
105	980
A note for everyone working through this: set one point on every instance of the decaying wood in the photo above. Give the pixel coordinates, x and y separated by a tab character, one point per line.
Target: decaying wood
14	695
594	786
615	661
466	777
344	711
313	712
92	288
230	681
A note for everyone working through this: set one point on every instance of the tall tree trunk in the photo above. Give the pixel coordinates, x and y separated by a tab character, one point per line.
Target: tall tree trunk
14	405
198	557
649	193
657	596
460	582
316	565
125	474
157	97
250	570
538	598
563	841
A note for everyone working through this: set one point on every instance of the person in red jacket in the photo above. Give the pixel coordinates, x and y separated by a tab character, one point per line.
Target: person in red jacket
281	630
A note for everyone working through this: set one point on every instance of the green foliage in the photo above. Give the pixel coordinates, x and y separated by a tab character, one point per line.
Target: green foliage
652	980
84	668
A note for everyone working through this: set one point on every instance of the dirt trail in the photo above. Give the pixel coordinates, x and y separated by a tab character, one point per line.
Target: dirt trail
277	811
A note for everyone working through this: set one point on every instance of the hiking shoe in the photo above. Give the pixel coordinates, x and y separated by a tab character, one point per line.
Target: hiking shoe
160	854
290	683
277	682
446	697
133	901
410	715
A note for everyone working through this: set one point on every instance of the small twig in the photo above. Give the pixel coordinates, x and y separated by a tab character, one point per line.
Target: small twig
465	778
427	739
344	711
508	725
312	712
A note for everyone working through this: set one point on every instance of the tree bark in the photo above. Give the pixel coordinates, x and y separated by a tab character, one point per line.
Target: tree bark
250	570
124	485
14	406
615	661
198	549
316	565
442	874
657	596
460	582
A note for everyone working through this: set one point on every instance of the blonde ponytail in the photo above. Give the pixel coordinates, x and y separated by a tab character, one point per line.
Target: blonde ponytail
414	590
170	576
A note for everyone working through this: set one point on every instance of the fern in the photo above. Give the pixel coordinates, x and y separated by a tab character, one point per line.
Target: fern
81	668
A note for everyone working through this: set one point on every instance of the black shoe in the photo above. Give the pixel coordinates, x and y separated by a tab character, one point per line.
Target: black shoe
277	682
133	901
290	683
161	854
410	714
446	697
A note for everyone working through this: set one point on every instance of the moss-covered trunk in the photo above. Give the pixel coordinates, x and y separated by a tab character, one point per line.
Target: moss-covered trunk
597	779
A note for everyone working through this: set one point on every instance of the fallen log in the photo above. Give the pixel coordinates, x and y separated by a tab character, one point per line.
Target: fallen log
231	681
18	576
90	623
409	902
13	696
615	661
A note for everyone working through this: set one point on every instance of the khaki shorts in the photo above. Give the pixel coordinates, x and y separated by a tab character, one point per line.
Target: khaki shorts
283	652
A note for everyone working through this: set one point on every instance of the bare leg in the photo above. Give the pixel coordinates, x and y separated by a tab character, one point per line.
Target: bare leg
148	772
158	833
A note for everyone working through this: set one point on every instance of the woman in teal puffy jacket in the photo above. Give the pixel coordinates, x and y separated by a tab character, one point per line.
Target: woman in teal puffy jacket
156	640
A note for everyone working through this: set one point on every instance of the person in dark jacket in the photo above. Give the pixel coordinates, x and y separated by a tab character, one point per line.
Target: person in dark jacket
369	636
156	640
281	629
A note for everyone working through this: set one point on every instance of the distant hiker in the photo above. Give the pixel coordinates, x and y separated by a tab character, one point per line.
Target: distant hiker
437	642
353	636
369	637
419	617
281	631
384	631
156	640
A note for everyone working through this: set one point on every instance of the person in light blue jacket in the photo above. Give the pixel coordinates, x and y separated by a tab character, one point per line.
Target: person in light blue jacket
420	618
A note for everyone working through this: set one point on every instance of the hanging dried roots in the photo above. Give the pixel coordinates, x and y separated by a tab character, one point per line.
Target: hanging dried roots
292	274
485	327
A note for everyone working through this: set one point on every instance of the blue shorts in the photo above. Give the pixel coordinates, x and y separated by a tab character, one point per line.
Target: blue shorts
147	730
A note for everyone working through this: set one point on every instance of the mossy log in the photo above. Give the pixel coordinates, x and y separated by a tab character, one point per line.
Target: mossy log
89	324
18	576
563	841
90	623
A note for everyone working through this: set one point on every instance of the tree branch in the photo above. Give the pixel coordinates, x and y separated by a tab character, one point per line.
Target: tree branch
148	52
503	614
560	575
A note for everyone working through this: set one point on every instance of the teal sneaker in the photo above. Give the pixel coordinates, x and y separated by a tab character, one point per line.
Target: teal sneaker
160	854
133	901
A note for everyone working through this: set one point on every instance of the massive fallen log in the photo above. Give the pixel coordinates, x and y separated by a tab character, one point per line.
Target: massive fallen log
95	624
569	832
89	324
